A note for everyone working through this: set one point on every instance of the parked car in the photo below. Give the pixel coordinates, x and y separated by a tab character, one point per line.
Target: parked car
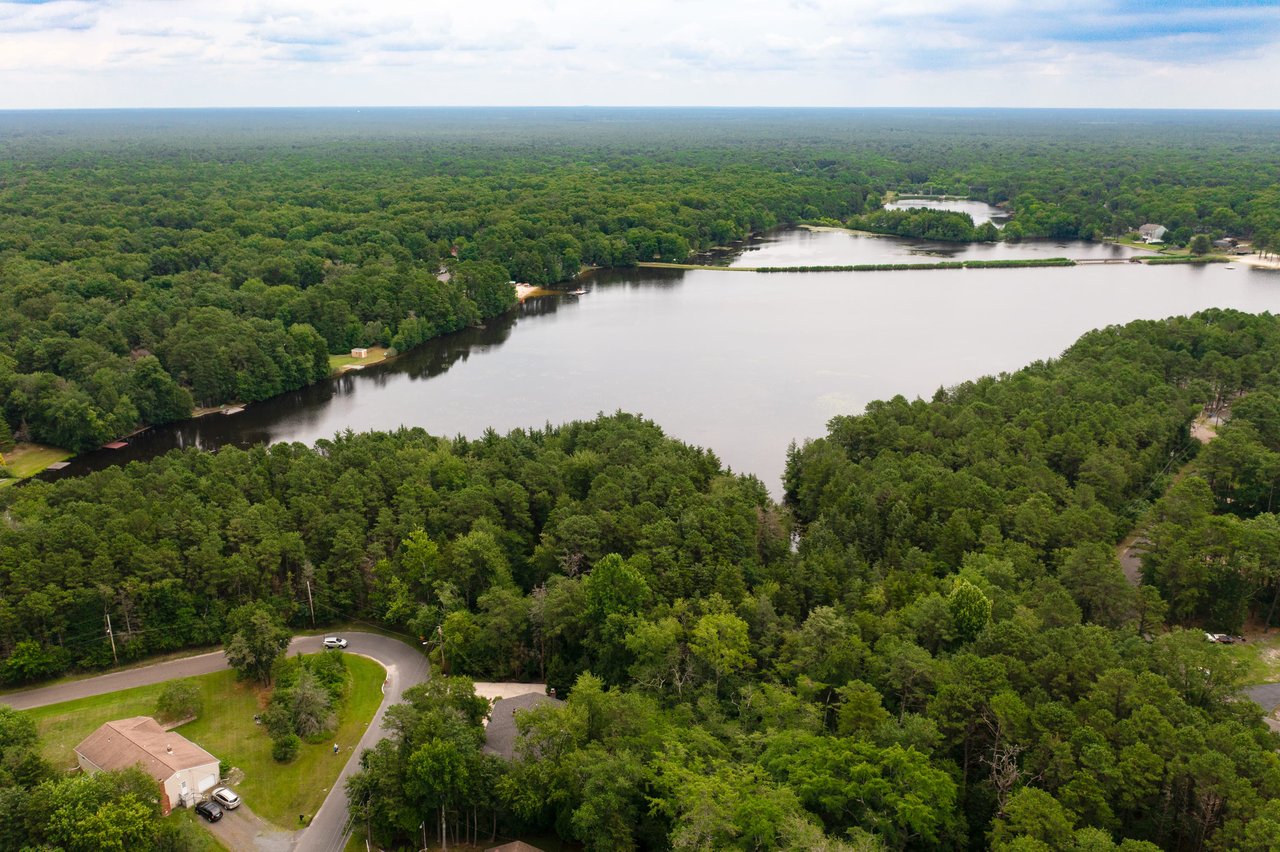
1224	638
335	642
209	810
226	798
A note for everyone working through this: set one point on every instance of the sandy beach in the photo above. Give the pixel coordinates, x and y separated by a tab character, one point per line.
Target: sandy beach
529	291
1257	261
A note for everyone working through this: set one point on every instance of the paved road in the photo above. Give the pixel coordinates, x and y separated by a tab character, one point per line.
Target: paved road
405	665
127	679
1267	695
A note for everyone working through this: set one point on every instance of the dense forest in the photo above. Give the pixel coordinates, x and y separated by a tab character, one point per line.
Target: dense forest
155	261
929	644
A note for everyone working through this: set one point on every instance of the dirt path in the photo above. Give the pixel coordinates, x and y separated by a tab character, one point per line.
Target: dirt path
1129	551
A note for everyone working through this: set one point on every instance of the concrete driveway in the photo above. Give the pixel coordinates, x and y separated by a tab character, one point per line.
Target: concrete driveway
243	829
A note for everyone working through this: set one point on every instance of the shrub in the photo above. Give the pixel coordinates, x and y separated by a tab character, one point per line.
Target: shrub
30	661
276	718
180	699
286	748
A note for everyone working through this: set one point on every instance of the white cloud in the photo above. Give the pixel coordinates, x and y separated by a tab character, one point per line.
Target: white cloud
76	53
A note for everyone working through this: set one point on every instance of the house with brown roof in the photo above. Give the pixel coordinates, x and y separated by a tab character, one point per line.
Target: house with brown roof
184	770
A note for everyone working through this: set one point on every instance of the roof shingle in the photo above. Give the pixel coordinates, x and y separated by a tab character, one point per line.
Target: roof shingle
140	741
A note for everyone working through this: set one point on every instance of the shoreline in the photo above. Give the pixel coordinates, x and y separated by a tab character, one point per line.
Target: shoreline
832	229
377	355
1256	261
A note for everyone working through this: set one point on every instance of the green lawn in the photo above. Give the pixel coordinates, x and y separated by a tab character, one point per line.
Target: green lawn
376	354
63	726
1260	656
29	459
276	792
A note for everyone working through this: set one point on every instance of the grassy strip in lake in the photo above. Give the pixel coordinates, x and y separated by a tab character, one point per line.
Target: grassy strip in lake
942	264
658	265
276	792
1185	258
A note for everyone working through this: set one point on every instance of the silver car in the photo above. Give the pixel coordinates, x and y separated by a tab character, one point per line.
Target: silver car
335	642
226	798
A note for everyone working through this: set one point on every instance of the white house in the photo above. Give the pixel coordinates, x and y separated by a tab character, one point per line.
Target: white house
185	771
359	352
1152	233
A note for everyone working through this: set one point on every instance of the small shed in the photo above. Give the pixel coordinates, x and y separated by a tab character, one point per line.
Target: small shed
359	353
184	770
501	734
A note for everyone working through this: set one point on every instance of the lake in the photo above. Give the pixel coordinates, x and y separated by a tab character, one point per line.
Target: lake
979	210
740	362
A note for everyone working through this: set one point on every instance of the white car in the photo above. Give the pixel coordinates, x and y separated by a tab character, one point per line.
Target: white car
335	642
227	799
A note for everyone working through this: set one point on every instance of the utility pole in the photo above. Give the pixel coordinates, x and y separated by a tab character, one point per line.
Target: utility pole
112	637
311	605
444	664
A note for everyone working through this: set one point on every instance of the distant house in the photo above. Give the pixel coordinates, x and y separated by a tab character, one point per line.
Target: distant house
500	734
1152	233
1224	243
184	770
359	353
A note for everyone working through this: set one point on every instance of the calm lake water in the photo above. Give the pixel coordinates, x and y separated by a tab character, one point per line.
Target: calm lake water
979	210
740	362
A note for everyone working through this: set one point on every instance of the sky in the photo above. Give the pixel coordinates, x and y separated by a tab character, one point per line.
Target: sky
857	53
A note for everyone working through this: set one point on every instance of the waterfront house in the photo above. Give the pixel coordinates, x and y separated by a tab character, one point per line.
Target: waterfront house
1152	233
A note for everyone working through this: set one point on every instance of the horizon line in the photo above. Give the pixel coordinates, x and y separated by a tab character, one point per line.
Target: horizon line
688	107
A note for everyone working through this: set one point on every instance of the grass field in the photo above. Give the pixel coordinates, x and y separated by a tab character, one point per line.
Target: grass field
338	362
29	459
276	792
1260	657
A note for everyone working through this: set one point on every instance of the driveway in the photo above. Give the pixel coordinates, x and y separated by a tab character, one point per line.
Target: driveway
1267	695
405	665
243	829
